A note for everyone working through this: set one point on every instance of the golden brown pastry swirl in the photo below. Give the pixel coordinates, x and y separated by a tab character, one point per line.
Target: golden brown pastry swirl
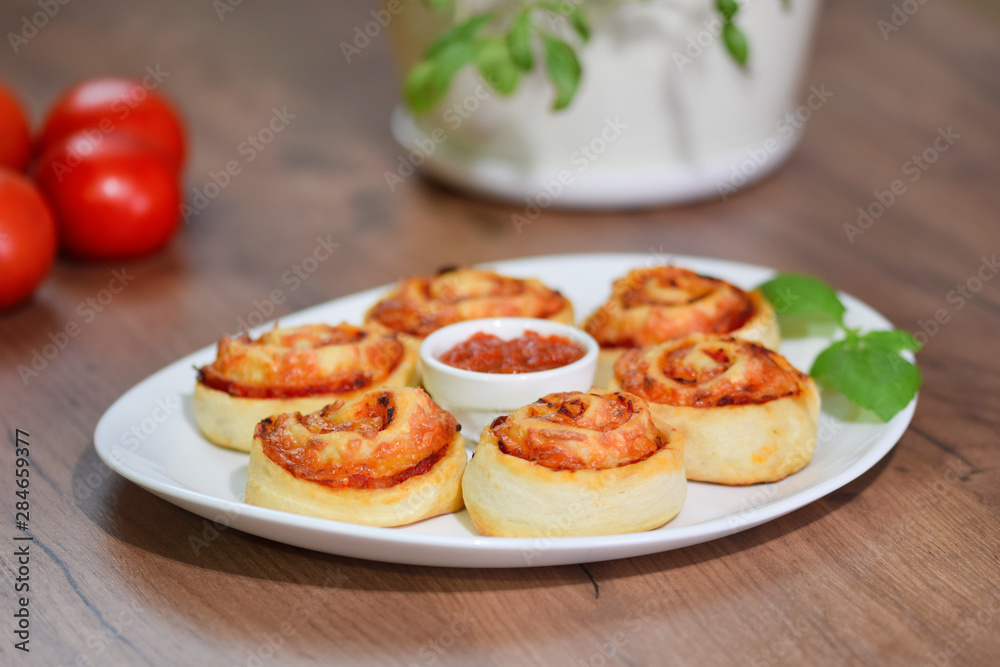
708	371
303	361
378	439
580	430
576	463
387	457
293	369
420	305
652	305
746	414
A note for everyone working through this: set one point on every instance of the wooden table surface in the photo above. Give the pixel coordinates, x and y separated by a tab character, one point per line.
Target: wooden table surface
898	567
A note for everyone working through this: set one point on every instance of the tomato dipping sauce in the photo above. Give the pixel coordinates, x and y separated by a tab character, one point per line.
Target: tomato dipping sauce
529	353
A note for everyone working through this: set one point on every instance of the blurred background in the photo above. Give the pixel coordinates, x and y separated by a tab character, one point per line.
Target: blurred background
230	67
289	200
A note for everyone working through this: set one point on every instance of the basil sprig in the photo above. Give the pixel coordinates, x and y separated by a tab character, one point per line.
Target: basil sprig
866	368
502	48
501	56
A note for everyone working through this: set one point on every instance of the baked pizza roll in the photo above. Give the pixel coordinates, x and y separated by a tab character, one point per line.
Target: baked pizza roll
746	414
292	369
652	305
575	463
387	457
420	305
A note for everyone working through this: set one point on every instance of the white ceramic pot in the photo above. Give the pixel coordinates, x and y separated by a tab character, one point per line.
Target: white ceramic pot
663	115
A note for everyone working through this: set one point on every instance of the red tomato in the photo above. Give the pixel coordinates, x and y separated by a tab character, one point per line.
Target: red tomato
110	106
15	132
27	238
112	200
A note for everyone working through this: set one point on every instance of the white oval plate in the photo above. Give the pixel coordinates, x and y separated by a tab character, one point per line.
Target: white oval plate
149	436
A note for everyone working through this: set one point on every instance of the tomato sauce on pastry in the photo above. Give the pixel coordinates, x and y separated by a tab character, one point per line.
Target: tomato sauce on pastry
420	305
376	441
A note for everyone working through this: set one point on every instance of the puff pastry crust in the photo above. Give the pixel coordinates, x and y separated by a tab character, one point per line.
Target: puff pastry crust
746	414
652	305
292	369
420	305
575	464
387	457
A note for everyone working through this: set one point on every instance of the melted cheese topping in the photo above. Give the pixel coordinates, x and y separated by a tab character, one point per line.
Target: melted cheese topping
423	304
649	306
303	361
376	440
706	371
580	430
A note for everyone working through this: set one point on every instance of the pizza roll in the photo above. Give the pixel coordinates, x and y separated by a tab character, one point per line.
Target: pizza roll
420	305
386	457
746	414
575	463
652	305
292	369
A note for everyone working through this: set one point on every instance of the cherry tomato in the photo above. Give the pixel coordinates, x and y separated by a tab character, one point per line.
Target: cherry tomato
27	238
113	199
110	106
15	132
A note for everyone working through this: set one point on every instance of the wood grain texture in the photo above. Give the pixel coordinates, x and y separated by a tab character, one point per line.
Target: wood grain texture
899	567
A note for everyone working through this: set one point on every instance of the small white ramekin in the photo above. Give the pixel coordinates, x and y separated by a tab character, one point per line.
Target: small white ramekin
476	399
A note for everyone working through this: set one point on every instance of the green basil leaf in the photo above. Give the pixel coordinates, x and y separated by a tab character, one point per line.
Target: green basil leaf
898	382
794	294
464	32
429	80
572	13
440	5
896	340
579	23
563	69
727	8
736	43
497	66
519	40
869	372
826	359
420	90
